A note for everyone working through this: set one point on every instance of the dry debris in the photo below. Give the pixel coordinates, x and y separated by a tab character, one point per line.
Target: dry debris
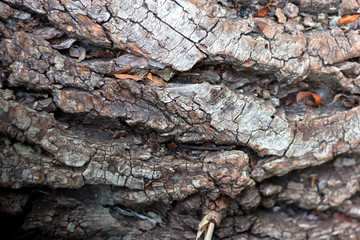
213	134
264	10
127	76
213	217
303	95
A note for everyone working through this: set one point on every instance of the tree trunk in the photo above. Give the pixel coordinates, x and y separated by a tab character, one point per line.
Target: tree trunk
161	119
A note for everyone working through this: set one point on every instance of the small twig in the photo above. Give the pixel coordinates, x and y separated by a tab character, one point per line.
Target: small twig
210	231
131	213
190	74
213	217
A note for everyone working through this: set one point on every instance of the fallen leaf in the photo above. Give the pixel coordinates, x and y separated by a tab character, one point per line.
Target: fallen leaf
120	134
157	80
101	53
172	146
342	217
149	76
127	76
82	54
53	120
126	69
303	95
350	102
337	97
264	10
289	101
348	19
106	130
313	181
325	22
65	44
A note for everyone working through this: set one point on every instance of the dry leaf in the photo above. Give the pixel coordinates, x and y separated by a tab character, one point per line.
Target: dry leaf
348	101
53	120
157	80
127	76
101	53
337	97
172	146
351	102
264	10
289	101
313	181
126	69
82	54
303	95
326	22
120	134
65	44
348	19
342	217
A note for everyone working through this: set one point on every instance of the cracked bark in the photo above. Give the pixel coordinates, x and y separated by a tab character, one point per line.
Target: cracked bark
87	155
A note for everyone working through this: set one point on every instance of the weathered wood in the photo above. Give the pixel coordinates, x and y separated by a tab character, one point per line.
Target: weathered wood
85	154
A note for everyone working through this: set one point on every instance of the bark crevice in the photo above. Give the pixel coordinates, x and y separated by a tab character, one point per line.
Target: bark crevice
85	154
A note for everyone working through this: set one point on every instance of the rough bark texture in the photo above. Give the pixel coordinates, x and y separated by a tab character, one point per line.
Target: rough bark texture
87	155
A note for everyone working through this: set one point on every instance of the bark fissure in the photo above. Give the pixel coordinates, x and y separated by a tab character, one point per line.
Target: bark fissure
120	157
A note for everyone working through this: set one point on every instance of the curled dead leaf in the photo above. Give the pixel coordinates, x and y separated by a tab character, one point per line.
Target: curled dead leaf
337	97
264	10
82	54
348	19
348	101
303	95
120	134
351	102
64	44
326	22
53	120
127	76
126	69
289	101
313	181
172	146
157	80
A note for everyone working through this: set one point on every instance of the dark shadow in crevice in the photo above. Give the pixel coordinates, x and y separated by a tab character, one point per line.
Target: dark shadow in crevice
11	225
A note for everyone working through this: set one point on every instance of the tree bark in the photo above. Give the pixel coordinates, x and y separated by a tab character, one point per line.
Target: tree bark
158	119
